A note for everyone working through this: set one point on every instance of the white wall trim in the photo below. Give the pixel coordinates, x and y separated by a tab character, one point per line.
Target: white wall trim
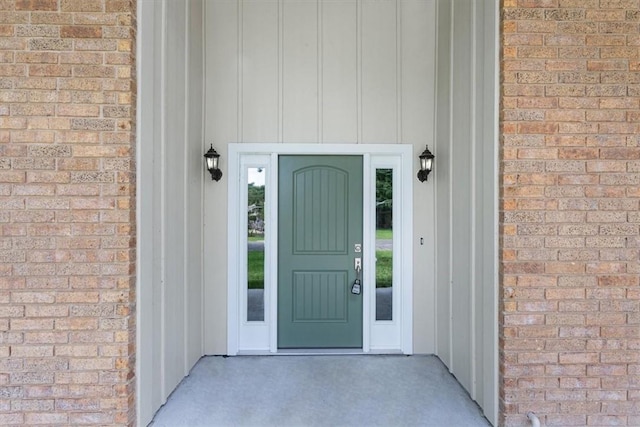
242	156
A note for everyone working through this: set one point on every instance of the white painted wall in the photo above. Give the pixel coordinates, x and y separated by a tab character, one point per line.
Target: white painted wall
319	72
466	195
170	184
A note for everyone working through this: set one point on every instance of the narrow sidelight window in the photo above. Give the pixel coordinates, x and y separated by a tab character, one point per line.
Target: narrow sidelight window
384	244
255	243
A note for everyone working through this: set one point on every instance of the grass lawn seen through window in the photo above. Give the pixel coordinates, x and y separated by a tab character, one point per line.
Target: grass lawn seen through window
384	270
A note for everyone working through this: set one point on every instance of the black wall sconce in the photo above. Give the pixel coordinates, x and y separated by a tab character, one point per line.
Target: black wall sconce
212	157
426	164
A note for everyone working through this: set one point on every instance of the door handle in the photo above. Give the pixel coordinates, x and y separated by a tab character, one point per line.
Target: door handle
356	288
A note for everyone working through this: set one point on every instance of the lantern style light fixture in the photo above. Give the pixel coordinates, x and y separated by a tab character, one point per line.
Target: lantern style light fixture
426	164
212	158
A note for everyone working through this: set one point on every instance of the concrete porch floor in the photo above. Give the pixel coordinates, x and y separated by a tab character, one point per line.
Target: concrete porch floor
358	390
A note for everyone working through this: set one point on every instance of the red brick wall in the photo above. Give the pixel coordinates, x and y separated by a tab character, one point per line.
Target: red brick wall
570	172
67	246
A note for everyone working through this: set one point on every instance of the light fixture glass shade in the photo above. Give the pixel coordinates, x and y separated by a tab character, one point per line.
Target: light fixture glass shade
209	161
211	158
426	164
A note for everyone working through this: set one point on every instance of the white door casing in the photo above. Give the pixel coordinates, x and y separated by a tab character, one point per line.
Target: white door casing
245	337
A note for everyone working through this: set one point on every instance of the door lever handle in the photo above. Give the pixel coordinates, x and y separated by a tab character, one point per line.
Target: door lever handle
356	288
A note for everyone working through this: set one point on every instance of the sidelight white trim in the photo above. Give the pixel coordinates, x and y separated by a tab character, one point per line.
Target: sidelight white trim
389	334
261	337
368	242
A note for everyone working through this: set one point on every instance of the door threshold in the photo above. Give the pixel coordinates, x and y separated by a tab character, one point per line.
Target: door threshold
316	352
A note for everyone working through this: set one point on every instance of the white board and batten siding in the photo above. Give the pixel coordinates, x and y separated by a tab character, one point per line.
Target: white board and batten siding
169	211
466	196
319	72
314	72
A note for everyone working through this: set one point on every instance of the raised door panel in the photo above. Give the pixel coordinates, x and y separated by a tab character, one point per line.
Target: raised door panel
320	296
320	211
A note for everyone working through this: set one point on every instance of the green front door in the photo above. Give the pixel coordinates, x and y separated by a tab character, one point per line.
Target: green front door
320	222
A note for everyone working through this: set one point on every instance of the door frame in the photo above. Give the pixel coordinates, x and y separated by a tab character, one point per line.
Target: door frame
394	336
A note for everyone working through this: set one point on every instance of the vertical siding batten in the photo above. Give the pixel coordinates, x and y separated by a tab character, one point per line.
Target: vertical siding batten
339	73
185	193
280	109
240	103
416	41
147	354
399	86
451	104
474	110
359	6
441	146
320	66
262	72
479	195
224	122
174	209
379	69
193	183
201	177
436	258
491	169
195	143
161	200
299	72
